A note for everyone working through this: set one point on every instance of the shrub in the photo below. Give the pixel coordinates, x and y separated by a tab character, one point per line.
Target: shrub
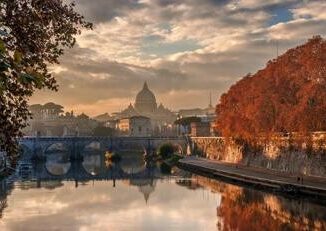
166	150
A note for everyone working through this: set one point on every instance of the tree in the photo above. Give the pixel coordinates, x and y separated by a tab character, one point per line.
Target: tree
166	150
33	35
289	95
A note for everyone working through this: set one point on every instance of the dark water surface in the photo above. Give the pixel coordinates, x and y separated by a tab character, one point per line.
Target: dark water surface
133	195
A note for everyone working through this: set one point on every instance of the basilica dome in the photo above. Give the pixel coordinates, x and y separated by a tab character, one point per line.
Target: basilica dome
145	101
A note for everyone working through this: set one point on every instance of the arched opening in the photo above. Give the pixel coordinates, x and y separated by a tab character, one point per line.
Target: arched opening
57	159
92	146
56	148
176	148
132	156
132	164
92	158
92	163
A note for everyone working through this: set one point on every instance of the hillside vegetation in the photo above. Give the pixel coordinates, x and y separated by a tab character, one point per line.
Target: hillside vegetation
288	95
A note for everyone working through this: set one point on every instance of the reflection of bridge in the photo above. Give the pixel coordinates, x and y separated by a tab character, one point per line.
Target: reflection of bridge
41	146
77	172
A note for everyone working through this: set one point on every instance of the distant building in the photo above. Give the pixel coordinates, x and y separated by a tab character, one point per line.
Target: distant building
111	124
48	111
135	126
49	120
103	117
145	105
206	115
200	129
162	119
191	112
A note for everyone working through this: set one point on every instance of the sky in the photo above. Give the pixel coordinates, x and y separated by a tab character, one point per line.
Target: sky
184	49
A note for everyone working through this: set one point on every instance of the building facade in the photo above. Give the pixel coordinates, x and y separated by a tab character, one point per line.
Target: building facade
137	126
50	120
200	129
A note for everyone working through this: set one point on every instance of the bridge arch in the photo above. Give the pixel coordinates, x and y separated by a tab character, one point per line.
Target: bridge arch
93	145
93	163
57	168
180	146
56	147
57	158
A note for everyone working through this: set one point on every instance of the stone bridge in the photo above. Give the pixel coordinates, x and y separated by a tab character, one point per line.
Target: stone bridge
40	147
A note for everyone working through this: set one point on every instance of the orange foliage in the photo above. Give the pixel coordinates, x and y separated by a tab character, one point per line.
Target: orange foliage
288	95
250	217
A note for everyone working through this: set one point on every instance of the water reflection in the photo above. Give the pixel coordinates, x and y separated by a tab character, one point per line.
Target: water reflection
246	209
133	195
58	163
92	163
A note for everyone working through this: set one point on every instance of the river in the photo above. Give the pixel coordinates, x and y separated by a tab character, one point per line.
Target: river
134	195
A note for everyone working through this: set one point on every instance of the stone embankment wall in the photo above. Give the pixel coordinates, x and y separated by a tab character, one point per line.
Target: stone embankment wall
278	155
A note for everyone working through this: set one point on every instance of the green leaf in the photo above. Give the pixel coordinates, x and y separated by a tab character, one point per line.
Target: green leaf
4	65
1	86
26	78
2	46
18	56
38	80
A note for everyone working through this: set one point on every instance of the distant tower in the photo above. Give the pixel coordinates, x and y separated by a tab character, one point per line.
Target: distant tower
210	99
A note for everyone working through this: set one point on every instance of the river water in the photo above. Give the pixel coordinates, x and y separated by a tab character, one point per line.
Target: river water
134	195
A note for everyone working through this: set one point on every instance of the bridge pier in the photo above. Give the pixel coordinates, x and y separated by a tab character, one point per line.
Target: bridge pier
75	153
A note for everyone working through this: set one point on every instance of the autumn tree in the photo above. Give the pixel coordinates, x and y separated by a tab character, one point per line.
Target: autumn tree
33	35
289	95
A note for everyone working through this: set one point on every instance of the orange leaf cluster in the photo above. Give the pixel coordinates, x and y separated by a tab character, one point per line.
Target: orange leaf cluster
289	95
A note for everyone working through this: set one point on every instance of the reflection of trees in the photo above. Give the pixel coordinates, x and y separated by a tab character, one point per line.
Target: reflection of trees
4	190
239	212
248	216
188	183
3	205
244	209
53	184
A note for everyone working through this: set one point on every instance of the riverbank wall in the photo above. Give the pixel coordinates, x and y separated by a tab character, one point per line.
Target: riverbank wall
278	154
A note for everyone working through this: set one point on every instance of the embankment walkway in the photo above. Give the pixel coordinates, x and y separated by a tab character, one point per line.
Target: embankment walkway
261	177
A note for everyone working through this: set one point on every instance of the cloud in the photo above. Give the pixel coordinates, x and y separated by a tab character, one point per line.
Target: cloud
179	47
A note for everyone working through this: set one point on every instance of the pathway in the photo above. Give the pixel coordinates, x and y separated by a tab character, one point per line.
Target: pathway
311	185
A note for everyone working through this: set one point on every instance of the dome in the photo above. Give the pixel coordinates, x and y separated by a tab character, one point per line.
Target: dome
145	101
